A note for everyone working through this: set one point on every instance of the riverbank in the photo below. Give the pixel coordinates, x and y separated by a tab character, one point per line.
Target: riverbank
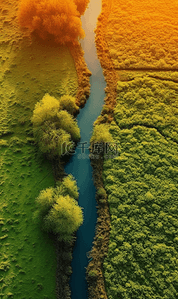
95	275
109	72
83	74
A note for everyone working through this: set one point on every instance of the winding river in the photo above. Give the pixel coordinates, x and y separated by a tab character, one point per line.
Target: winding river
79	164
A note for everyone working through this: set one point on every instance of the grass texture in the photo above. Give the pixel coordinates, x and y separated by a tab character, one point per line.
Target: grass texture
143	34
29	68
27	256
56	18
132	37
142	188
148	101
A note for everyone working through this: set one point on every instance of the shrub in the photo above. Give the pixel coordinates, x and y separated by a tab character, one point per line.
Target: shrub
44	201
52	141
101	134
64	218
92	274
58	211
53	129
68	186
101	192
55	17
69	124
67	102
81	5
46	109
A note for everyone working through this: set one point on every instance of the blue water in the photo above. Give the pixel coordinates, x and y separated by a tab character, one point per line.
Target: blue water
79	165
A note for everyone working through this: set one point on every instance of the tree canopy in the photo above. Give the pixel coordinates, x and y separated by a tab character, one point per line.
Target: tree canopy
58	210
54	17
55	130
142	187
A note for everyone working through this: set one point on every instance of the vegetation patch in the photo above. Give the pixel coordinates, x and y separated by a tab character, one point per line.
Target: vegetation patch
30	68
148	101
110	74
95	275
142	191
101	134
142	187
142	34
26	252
145	128
83	74
56	18
58	211
55	130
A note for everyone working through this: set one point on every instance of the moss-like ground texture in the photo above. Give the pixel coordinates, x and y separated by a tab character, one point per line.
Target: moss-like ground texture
136	42
28	262
142	187
142	34
29	68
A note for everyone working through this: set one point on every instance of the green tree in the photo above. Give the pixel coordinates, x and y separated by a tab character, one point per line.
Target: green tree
44	202
68	187
51	140
101	134
54	130
64	217
67	102
44	110
58	210
69	124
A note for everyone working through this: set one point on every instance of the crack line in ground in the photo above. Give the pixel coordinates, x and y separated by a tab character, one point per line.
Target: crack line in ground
130	126
147	69
163	79
147	74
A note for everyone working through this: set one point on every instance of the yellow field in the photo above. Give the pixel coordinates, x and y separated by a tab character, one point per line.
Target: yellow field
143	34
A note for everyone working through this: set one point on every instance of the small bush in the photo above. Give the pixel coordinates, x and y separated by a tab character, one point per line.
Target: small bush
44	202
101	134
4	143
54	130
105	109
93	274
58	211
101	192
44	110
69	124
68	187
67	102
64	217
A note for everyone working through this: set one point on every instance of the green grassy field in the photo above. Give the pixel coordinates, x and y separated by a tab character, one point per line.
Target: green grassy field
28	261
142	188
29	68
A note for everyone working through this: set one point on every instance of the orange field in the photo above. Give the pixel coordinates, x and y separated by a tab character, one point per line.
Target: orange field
143	34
